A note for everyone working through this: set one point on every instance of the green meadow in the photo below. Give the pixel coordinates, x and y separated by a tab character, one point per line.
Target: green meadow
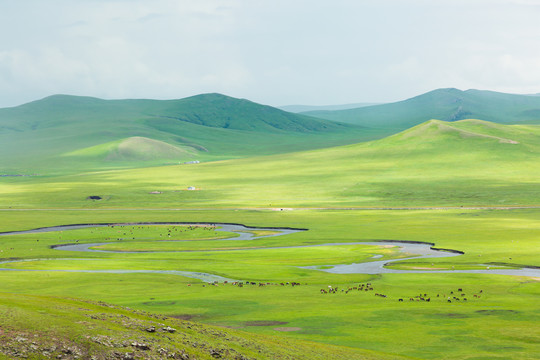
501	322
465	163
470	186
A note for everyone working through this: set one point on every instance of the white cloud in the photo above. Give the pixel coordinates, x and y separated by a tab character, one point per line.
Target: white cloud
275	52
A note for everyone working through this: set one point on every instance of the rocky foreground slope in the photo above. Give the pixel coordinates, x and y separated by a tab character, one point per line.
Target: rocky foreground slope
44	327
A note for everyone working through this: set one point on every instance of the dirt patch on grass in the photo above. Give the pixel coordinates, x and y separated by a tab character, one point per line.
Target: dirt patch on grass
497	312
264	323
229	326
185	316
451	315
159	303
287	329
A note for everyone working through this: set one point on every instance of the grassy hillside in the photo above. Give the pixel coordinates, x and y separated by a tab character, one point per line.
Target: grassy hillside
35	137
135	148
442	104
468	162
46	327
214	110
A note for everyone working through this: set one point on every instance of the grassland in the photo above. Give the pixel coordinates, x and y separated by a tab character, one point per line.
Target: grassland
434	165
465	163
501	323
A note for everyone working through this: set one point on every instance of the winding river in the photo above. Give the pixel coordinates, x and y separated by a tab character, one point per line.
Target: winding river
422	251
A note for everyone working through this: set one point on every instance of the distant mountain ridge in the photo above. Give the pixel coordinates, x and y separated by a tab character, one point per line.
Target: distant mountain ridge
306	108
212	110
442	104
87	132
216	110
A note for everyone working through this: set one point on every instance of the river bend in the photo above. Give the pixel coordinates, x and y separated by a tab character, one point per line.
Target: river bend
421	250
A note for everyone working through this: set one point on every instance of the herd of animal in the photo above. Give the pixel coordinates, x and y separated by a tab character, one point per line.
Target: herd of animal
459	294
453	295
360	287
250	283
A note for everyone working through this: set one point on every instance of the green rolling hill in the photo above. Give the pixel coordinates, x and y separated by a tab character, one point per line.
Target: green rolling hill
436	163
442	104
65	133
135	148
70	133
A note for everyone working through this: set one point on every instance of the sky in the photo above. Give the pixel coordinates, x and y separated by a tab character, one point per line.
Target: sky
275	52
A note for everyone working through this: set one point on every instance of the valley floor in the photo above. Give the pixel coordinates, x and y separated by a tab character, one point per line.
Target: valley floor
498	320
